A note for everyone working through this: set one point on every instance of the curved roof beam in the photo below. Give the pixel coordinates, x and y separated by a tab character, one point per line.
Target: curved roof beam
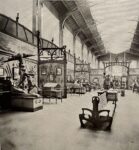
73	11
68	15
80	30
77	32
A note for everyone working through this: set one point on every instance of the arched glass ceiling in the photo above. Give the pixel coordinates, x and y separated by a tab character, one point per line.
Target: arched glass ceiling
116	21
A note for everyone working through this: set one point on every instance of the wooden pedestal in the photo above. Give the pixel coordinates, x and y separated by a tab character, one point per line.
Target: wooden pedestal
27	103
112	95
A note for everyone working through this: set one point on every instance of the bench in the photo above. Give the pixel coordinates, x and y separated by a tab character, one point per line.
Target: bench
101	116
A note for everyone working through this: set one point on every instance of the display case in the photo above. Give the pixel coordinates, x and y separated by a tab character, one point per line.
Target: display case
78	89
52	90
87	86
123	82
112	95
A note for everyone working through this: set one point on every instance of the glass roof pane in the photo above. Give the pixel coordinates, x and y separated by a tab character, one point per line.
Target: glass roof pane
116	22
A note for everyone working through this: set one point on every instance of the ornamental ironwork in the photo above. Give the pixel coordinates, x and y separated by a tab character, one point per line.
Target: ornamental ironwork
116	63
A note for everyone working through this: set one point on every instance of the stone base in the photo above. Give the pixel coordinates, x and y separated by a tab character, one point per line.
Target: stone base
27	103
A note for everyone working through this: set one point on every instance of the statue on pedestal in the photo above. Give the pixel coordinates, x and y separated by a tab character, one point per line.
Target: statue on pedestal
22	72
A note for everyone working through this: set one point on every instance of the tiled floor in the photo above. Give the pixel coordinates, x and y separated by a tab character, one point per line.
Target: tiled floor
57	127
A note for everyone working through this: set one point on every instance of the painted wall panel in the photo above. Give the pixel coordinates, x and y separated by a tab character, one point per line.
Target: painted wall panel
50	25
78	47
133	64
48	74
85	53
10	43
68	40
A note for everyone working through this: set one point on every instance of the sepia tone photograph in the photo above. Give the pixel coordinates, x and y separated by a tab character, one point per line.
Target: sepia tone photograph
69	74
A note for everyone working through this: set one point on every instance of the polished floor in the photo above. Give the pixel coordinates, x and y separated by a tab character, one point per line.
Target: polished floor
57	127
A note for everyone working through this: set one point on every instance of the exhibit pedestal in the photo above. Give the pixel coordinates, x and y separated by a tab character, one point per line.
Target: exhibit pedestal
112	95
27	103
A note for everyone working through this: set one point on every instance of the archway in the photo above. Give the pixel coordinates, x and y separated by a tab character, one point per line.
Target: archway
124	78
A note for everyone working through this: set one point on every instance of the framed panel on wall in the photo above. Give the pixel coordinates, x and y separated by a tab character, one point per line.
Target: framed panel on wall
51	77
16	75
1	71
58	71
43	71
68	78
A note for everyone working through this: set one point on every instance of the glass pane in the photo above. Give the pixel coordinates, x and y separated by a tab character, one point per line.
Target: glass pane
3	21
11	27
21	33
29	36
45	43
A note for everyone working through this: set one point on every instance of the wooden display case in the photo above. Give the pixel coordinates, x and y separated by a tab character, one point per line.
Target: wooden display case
52	90
112	95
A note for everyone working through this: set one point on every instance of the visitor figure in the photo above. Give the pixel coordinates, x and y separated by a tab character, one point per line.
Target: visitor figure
111	85
106	83
116	84
133	84
30	85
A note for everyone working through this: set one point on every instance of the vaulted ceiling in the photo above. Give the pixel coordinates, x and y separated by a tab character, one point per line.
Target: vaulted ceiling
78	17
